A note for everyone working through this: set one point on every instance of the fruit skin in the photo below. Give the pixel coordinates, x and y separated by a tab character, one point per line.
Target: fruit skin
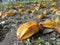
28	11
14	7
9	13
45	12
0	14
35	5
19	7
21	10
39	4
40	16
44	4
34	11
36	8
54	3
49	24
57	12
57	21
54	9
57	29
27	29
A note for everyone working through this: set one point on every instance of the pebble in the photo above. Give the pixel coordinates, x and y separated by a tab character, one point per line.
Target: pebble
3	22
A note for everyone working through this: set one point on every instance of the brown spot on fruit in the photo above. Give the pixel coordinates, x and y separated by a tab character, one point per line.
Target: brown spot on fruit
57	29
